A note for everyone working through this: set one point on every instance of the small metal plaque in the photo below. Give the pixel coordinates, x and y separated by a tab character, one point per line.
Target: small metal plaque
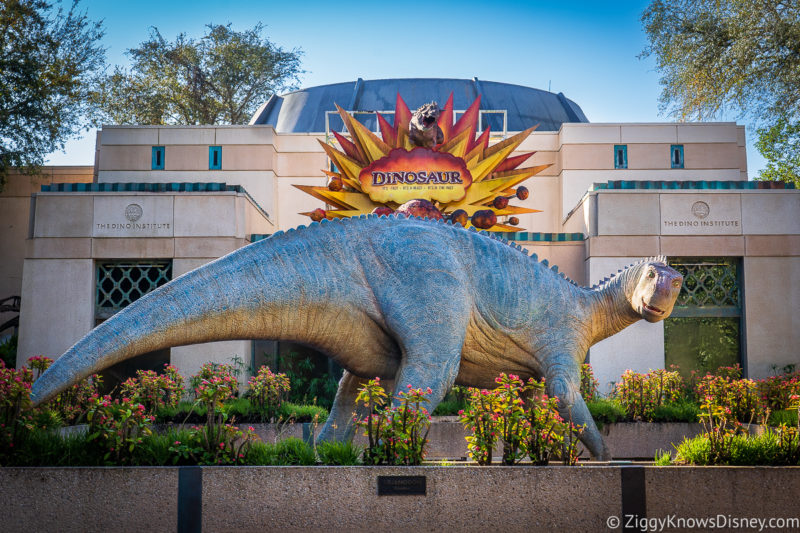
402	486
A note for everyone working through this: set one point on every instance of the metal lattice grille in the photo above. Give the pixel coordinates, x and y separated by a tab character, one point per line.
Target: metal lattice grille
121	283
710	287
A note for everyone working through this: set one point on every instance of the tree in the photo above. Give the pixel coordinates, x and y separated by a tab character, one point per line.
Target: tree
49	60
220	78
734	55
780	145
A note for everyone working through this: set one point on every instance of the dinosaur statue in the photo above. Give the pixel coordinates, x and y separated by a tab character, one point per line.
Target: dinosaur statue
416	301
423	128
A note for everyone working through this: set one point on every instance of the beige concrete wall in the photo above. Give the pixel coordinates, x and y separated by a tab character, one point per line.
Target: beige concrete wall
670	213
772	320
639	347
569	256
259	184
15	215
57	306
575	183
293	201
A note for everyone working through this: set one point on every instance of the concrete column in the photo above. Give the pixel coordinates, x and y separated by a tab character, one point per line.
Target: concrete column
771	318
57	306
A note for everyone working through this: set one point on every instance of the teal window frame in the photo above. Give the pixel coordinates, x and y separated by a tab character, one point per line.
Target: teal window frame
620	156
215	158
158	158
676	149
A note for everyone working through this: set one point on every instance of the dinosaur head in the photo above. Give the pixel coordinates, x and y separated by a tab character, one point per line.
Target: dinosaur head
426	116
654	290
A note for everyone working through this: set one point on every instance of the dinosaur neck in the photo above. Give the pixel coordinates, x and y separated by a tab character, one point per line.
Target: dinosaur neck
611	311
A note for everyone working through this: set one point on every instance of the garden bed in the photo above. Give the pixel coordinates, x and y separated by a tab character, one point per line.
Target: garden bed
466	498
625	440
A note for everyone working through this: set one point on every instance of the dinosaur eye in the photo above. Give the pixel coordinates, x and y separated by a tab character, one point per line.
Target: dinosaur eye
676	283
651	274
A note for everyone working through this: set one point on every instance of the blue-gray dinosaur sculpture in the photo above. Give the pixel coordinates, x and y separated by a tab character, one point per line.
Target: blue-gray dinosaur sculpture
411	300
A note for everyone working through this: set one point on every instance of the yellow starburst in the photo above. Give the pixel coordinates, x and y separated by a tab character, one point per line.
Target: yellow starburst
493	173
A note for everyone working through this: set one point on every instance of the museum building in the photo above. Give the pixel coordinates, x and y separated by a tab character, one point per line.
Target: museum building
80	243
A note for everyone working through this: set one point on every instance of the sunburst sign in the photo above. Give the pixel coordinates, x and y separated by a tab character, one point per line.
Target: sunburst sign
457	176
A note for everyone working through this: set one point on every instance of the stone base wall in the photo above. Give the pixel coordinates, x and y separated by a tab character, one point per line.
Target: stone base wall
455	498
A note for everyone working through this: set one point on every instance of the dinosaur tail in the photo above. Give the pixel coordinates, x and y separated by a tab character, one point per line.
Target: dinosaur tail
244	295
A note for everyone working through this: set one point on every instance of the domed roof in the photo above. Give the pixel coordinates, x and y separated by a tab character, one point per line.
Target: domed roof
304	111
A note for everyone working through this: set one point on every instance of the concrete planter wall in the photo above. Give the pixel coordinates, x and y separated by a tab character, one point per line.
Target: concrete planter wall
458	498
625	440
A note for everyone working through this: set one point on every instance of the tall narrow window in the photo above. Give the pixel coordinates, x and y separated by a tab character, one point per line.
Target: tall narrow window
704	331
214	157
676	155
158	158
620	156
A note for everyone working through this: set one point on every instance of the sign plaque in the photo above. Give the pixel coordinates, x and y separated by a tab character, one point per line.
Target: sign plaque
402	486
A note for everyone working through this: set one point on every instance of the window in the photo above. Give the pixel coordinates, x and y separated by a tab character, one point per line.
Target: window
214	157
120	283
676	155
158	158
620	156
704	331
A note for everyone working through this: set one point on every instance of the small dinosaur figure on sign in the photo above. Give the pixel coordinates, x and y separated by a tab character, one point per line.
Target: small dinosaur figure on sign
423	128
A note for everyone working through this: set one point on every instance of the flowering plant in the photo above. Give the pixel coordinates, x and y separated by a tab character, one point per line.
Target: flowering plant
589	385
268	391
641	394
397	435
117	427
154	391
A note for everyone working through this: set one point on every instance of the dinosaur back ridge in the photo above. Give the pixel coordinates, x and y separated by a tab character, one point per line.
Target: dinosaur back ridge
457	227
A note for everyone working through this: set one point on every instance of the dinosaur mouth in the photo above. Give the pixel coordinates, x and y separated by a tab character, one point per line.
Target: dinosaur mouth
652	308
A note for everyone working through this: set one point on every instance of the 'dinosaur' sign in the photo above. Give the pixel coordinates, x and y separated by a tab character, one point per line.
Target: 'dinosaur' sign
426	161
419	174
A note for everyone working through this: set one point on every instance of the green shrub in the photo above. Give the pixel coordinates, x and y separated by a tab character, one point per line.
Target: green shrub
773	448
662	458
680	411
303	413
339	453
605	411
261	454
786	416
288	452
48	448
293	451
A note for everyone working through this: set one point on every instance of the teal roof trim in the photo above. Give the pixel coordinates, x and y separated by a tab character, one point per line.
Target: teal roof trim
152	187
693	185
540	237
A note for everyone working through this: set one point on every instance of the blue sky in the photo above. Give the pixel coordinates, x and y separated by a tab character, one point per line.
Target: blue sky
587	50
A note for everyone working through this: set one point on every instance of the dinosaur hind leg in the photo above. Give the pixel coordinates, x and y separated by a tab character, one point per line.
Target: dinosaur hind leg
340	425
564	382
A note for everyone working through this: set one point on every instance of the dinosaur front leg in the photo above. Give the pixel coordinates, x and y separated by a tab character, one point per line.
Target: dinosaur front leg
564	382
340	425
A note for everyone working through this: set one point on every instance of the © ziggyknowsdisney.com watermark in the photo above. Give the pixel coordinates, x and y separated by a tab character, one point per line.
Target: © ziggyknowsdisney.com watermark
720	521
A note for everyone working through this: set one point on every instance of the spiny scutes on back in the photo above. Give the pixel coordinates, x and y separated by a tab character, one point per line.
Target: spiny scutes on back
456	227
662	259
